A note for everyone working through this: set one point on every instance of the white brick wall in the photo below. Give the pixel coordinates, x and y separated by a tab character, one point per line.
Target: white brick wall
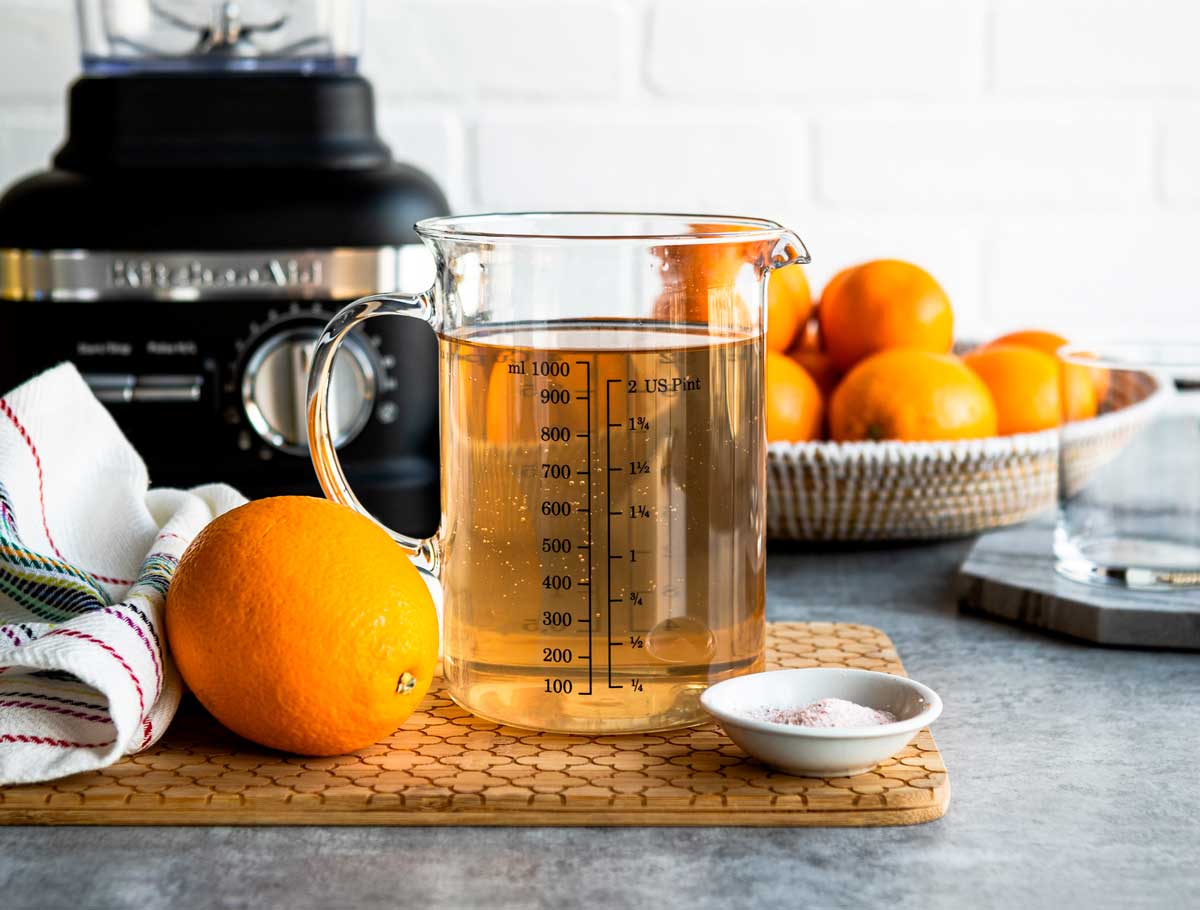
656	160
1041	157
772	49
1097	47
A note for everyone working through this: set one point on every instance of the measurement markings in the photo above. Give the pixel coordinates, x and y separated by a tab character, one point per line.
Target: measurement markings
608	535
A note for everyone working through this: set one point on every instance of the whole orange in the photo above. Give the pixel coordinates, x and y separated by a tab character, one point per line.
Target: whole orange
884	305
794	406
912	396
300	625
1024	384
789	304
1082	388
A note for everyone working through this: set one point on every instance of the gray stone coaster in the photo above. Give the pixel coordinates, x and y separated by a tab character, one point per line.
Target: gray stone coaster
1010	574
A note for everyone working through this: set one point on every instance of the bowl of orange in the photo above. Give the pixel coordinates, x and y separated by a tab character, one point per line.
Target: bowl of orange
881	426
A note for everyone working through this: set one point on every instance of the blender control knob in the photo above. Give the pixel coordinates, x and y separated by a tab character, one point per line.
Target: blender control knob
275	385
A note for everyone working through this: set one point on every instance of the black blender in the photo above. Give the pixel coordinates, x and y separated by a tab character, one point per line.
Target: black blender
220	194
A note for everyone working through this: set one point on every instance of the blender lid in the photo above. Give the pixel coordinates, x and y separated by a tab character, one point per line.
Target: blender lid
123	37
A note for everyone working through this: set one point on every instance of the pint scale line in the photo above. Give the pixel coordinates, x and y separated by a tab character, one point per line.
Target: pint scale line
608	520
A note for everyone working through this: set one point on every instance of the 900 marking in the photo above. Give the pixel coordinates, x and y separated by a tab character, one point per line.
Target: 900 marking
555	396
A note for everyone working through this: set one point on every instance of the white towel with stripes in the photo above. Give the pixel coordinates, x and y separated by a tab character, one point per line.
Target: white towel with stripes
87	552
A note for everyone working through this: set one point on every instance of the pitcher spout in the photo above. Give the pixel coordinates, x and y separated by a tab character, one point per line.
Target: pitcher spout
789	250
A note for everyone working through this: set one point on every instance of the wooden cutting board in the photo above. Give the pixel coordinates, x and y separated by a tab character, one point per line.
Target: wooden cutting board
448	767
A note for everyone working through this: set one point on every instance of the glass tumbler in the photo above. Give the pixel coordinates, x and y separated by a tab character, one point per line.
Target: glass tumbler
1129	478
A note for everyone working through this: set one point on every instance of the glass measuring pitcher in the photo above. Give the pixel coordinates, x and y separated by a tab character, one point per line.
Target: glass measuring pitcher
602	547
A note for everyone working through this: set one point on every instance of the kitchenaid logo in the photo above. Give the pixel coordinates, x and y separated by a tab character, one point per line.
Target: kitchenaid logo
176	274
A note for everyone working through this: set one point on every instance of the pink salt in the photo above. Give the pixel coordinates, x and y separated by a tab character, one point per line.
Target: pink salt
829	712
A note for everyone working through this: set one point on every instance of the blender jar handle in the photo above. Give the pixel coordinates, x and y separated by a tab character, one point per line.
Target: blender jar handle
320	431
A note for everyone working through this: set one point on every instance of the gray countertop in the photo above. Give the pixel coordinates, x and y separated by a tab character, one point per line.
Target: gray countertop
1073	772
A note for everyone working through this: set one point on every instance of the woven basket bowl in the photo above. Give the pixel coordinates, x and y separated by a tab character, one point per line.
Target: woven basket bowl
831	491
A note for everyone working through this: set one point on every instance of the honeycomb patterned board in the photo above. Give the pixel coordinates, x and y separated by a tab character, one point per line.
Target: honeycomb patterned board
448	767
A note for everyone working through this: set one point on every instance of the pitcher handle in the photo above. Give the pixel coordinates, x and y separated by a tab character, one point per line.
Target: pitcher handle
425	552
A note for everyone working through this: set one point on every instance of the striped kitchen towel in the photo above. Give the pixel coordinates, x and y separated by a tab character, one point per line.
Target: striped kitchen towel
86	554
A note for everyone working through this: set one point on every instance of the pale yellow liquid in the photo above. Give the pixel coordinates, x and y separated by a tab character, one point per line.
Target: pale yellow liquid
607	472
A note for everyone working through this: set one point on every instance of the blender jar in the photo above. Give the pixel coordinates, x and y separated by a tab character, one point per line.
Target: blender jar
187	35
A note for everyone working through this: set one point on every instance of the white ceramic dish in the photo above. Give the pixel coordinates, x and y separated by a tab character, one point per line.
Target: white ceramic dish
821	751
